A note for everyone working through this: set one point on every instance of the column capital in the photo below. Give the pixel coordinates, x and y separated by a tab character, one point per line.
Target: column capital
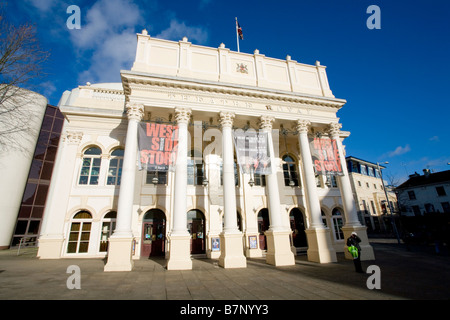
266	121
182	115
334	128
303	126
73	137
226	119
134	111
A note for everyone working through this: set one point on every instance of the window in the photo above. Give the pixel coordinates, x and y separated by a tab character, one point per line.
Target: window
363	169
90	169
260	180
324	218
338	222
115	167
290	171
441	191
195	169
411	195
108	226
331	181
370	171
156	177
377	173
374	211
80	231
445	207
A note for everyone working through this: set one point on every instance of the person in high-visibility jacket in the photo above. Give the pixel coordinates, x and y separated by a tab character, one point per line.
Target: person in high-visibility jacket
354	240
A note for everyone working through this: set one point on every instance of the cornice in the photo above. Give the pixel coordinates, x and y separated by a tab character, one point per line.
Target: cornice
143	81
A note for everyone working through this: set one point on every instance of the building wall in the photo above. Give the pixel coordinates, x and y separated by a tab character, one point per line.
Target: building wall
425	199
17	154
369	195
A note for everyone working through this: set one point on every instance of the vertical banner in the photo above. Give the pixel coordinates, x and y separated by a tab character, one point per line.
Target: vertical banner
325	156
252	150
157	145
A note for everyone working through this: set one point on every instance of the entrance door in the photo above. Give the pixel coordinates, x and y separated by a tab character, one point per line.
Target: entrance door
153	234
196	227
263	225
298	228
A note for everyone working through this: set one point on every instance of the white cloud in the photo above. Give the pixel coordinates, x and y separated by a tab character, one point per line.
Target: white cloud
177	31
116	53
434	138
107	34
43	5
104	19
399	151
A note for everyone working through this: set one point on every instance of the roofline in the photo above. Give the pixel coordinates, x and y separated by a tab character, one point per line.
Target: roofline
364	161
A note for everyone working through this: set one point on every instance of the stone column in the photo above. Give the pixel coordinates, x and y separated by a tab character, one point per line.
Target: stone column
278	243
320	248
179	238
231	242
121	241
352	223
51	239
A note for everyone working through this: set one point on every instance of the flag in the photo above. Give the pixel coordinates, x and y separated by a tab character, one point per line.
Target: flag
239	30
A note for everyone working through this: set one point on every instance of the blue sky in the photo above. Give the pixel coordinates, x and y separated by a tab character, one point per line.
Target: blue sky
395	79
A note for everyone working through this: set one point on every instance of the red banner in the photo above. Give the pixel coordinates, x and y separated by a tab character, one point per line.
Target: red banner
325	156
157	145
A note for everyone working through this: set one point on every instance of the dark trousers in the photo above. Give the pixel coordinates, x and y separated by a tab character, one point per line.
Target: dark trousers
357	263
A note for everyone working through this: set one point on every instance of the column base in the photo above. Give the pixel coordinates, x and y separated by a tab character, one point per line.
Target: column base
119	254
50	248
320	248
367	252
279	251
232	251
179	252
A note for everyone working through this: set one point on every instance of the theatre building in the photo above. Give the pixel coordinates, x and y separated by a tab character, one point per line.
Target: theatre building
153	166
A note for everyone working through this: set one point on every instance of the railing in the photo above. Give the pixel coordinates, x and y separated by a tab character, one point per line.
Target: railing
23	240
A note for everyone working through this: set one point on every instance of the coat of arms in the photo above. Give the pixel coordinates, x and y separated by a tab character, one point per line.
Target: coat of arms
242	68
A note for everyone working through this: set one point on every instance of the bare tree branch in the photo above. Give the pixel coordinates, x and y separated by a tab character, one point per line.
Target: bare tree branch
21	63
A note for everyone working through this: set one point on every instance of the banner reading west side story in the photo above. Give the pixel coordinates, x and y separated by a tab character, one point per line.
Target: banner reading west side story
157	145
325	156
252	150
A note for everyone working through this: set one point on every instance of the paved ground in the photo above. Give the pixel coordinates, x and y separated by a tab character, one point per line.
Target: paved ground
417	273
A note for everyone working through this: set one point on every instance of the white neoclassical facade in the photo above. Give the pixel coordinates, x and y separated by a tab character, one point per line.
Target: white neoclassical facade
103	203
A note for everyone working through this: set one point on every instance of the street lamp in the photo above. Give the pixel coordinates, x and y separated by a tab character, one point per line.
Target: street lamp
388	202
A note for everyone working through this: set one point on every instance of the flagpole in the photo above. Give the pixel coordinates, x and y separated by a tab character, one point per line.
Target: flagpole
237	35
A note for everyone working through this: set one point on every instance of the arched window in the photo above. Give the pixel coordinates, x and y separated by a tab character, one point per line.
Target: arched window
338	222
108	226
290	171
90	168
115	167
80	231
